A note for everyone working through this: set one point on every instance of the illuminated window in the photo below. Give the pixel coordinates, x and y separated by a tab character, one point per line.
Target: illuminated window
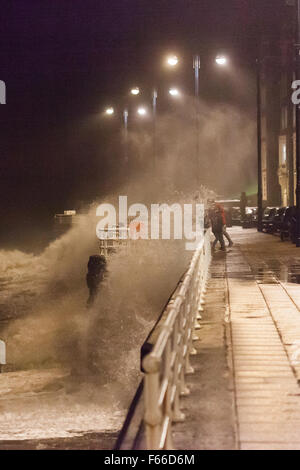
284	153
282	150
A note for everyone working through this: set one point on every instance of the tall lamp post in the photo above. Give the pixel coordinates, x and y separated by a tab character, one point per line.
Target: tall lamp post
172	61
259	164
174	92
196	66
125	120
154	105
221	60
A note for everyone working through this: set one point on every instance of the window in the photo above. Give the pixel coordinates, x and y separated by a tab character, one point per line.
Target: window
282	150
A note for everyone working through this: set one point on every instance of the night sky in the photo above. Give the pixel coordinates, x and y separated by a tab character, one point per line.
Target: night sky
64	60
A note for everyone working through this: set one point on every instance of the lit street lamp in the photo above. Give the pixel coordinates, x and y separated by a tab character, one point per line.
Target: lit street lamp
109	111
174	92
142	111
135	91
172	60
221	60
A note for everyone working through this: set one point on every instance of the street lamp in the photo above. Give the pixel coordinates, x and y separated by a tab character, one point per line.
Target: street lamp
109	111
142	111
221	60
174	92
135	91
172	60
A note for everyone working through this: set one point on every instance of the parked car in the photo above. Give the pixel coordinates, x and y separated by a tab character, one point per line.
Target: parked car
288	226
250	218
236	218
278	220
268	219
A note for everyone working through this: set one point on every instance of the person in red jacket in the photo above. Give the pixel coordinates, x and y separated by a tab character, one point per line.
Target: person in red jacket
225	233
216	222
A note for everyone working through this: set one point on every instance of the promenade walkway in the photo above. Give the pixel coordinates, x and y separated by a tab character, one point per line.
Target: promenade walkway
253	400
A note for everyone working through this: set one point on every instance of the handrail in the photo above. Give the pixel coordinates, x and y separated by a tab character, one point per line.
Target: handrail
132	433
167	365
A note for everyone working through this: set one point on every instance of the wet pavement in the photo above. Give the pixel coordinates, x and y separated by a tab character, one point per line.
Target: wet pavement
245	394
264	311
210	421
270	260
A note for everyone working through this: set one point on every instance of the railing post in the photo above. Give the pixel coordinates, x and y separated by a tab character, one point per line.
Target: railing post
153	412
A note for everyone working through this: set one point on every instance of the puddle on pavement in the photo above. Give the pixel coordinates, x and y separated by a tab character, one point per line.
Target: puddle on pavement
273	271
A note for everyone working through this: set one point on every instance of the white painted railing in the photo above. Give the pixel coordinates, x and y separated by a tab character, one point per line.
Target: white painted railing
169	362
113	239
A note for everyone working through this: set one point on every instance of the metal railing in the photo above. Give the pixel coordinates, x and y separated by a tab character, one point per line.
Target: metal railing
167	365
114	238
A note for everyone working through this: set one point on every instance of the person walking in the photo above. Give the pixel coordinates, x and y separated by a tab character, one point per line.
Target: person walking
219	206
216	220
225	233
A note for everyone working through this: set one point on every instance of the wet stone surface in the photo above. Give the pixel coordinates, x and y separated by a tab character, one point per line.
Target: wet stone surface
264	308
270	259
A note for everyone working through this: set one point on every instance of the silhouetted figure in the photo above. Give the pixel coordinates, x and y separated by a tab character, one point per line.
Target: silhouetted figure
217	226
216	206
95	275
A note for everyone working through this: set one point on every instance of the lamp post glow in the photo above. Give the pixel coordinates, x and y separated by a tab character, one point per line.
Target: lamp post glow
142	112
109	111
221	60
172	60
174	92
135	91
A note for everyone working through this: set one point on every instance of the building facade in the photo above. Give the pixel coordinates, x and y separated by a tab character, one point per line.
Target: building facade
278	143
